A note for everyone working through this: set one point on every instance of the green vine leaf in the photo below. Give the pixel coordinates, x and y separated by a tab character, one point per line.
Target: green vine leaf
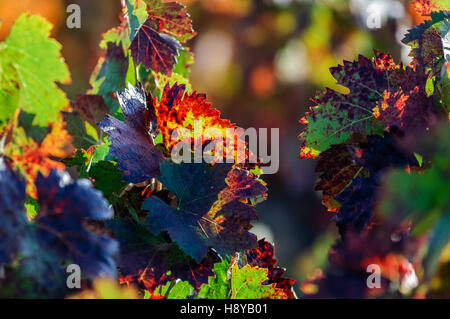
248	283
175	290
30	66
232	282
217	286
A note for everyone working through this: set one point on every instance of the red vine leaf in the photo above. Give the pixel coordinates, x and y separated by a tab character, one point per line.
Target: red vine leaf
171	18
177	111
406	110
336	116
156	51
263	256
33	158
196	225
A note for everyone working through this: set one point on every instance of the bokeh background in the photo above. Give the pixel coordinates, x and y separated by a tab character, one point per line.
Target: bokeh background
258	61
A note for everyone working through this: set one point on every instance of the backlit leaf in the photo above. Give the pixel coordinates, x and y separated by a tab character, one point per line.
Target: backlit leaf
248	283
156	51
33	158
175	290
218	286
156	43
31	64
209	211
232	282
181	116
264	257
425	7
336	116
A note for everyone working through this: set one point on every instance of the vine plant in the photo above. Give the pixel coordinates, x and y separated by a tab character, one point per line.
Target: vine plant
126	211
91	182
383	158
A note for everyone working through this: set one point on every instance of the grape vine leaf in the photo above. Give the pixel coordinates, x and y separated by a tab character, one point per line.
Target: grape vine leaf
190	183
32	157
155	51
151	261
263	257
417	31
170	17
248	283
177	290
209	212
31	272
31	65
131	143
57	234
336	116
218	285
156	43
427	43
65	206
177	111
232	282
